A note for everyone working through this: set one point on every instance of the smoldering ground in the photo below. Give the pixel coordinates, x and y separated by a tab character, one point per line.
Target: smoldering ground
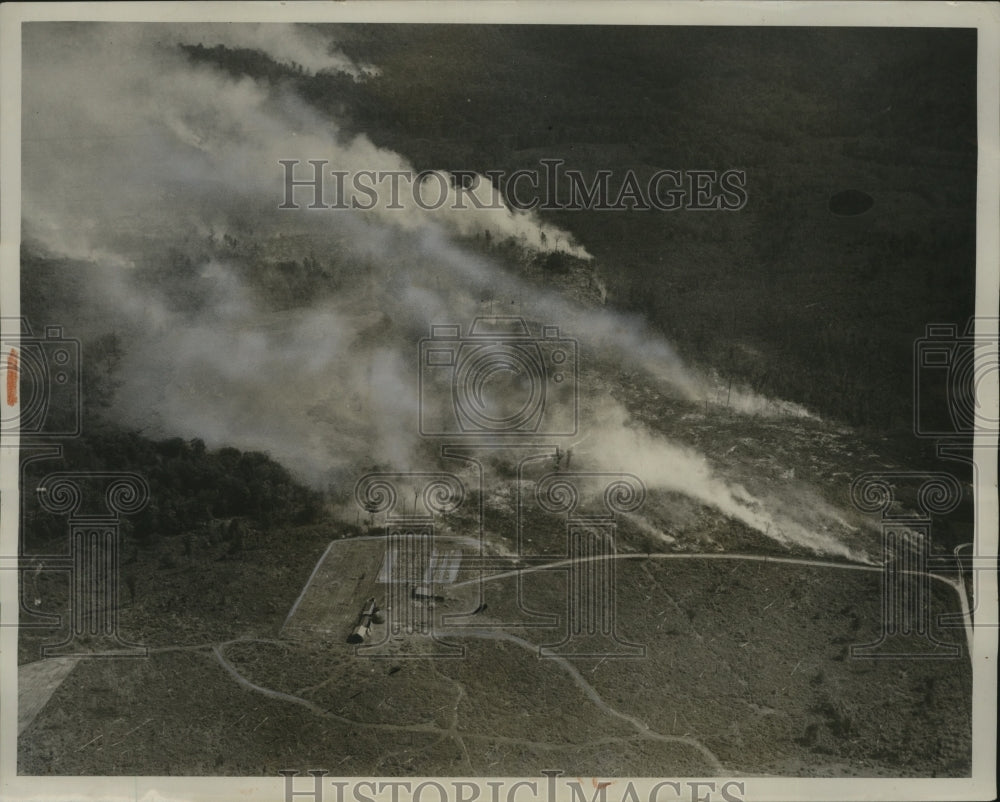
162	174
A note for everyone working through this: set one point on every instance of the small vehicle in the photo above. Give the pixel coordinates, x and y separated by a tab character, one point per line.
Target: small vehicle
369	614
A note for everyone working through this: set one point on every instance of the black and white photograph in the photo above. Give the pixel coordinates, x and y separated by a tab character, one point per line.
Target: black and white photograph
499	402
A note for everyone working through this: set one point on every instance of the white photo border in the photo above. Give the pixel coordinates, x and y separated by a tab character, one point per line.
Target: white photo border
983	16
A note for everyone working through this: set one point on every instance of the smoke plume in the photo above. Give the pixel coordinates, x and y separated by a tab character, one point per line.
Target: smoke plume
164	176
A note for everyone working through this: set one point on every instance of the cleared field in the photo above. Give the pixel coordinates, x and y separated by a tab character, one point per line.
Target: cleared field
745	669
406	577
36	682
331	599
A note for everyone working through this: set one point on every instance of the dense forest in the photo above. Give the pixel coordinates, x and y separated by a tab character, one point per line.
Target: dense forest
191	485
785	295
252	365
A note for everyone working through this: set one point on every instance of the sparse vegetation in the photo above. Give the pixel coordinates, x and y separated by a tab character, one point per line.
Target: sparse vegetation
749	660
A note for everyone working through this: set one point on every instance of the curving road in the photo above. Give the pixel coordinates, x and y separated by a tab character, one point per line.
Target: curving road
958	586
642	730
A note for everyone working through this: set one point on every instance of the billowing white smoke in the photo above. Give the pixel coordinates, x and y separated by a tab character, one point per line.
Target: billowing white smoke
619	444
480	207
130	148
122	131
745	401
289	45
302	387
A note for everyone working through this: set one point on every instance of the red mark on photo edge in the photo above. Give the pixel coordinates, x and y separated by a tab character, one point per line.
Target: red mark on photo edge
12	378
597	784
